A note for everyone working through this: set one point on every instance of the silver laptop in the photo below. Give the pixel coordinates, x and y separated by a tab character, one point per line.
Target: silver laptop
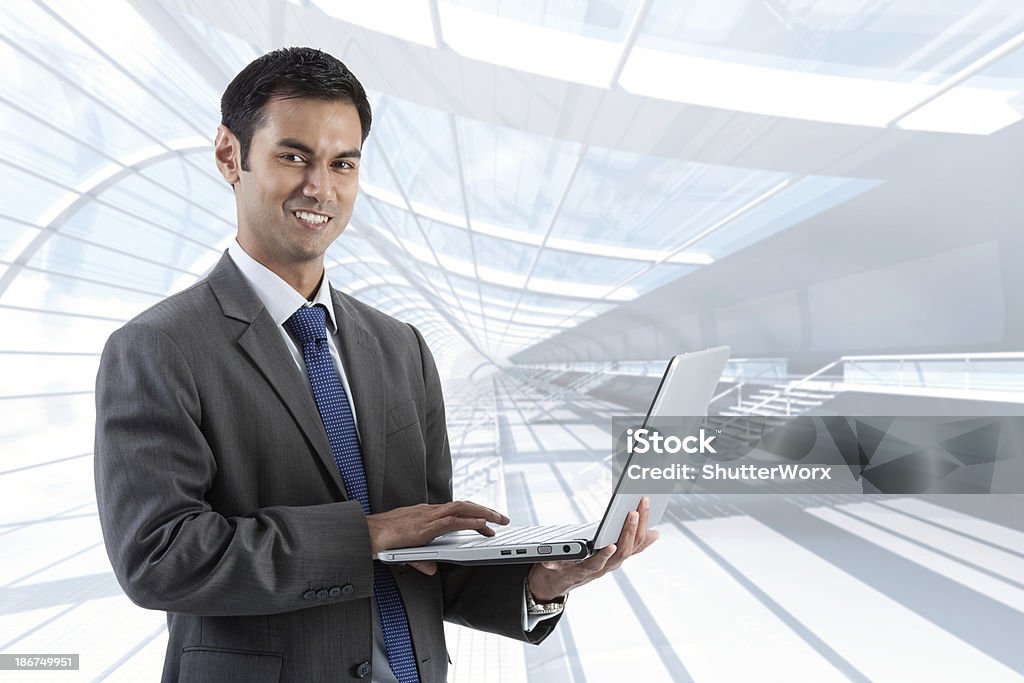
685	390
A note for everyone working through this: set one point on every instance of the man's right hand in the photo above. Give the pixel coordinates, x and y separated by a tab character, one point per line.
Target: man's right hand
417	525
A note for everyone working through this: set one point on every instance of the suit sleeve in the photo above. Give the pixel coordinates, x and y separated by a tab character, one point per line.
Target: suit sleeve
483	598
168	548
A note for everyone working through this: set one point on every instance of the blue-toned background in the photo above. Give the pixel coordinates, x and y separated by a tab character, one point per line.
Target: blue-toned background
562	195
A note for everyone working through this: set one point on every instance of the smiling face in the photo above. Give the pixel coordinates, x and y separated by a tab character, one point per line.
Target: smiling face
298	192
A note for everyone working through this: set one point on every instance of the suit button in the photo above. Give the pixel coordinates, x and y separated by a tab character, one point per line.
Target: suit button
334	592
361	670
348	589
322	594
309	595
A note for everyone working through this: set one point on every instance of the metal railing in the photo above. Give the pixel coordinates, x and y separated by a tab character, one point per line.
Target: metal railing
980	371
734	389
967	371
793	386
735	369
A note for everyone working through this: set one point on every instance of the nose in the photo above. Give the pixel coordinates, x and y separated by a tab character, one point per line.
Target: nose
318	184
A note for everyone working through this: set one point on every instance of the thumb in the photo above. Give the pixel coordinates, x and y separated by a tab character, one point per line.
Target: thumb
428	568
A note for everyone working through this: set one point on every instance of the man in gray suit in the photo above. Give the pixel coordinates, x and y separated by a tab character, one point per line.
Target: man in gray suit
260	436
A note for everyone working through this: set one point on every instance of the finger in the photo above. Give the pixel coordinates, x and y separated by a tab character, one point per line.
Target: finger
562	564
597	562
465	508
594	563
428	568
451	523
502	518
644	510
627	537
628	527
652	536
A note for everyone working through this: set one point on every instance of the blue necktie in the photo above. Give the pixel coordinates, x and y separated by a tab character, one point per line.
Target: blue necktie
308	324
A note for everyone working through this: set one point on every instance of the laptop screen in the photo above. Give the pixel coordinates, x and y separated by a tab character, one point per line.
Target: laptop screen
686	389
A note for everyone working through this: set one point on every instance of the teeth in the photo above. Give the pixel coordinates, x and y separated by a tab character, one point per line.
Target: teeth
311	217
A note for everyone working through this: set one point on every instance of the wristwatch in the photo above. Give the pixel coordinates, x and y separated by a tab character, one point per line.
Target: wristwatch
535	608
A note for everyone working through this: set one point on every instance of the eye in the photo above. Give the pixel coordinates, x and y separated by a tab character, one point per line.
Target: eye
291	157
344	165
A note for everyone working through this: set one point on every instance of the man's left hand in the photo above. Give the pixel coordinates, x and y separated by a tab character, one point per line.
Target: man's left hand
549	581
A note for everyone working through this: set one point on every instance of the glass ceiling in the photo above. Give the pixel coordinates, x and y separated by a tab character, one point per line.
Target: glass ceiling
497	237
899	40
905	63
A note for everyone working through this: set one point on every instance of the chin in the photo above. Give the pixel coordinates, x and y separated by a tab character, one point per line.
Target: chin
309	252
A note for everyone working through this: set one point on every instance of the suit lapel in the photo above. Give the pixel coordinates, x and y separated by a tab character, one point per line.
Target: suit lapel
263	343
360	354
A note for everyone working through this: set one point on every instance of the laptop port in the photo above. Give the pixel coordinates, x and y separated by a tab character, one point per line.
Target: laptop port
506	552
520	551
566	548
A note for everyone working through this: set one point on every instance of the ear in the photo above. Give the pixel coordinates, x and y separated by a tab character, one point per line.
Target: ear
228	154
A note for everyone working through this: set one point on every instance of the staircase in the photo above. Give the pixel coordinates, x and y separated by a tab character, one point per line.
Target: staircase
767	407
780	401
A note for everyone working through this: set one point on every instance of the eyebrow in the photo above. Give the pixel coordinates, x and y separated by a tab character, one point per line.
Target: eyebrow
305	149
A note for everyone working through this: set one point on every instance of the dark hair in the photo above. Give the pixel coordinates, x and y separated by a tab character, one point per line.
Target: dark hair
288	72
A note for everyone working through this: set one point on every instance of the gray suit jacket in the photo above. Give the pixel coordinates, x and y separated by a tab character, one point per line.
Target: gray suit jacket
221	504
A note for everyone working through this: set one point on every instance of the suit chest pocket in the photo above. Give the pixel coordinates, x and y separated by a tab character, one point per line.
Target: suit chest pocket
402	417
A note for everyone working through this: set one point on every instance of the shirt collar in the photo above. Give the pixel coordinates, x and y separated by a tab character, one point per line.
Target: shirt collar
278	297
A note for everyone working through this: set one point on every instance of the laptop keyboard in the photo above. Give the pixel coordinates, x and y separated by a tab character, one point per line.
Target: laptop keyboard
528	534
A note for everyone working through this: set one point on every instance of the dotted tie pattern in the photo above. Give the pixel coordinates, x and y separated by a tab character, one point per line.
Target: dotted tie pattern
309	325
